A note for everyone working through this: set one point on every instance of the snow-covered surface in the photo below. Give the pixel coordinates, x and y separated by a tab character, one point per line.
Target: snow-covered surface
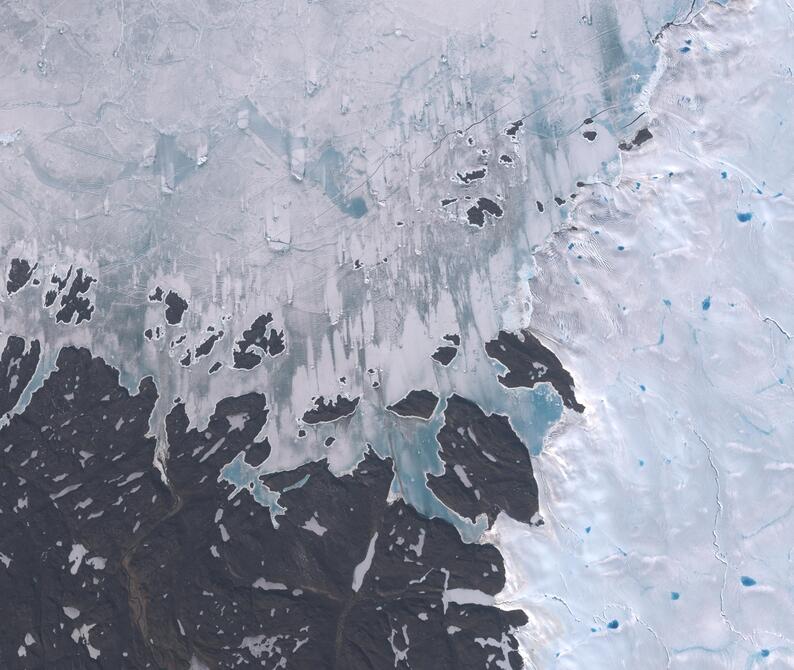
667	505
292	159
225	154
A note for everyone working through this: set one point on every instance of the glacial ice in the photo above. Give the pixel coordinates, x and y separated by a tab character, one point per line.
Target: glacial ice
245	163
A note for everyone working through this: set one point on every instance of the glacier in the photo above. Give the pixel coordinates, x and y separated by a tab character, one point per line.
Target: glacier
330	200
668	504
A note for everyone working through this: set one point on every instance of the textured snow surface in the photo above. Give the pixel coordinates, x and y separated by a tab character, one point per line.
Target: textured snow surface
669	502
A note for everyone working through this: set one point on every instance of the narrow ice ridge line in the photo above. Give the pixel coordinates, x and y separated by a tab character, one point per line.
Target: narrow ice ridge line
516	602
676	23
653	632
646	625
769	319
565	604
719	554
644	97
558	522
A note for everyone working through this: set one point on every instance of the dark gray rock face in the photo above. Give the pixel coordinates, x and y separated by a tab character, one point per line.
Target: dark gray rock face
486	466
19	274
417	404
326	411
530	363
107	566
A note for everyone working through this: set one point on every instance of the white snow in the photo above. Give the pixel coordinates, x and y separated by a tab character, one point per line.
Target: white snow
362	568
673	484
71	612
76	556
81	636
265	585
314	526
